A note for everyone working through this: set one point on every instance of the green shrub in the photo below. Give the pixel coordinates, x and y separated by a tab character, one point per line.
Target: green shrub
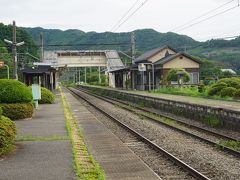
13	91
216	88
231	82
1	111
228	91
18	110
7	135
47	97
201	88
237	94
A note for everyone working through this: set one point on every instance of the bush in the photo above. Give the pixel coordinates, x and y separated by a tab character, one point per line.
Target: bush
201	88
231	82
225	87
228	91
13	91
7	135
237	94
18	110
216	88
1	111
47	97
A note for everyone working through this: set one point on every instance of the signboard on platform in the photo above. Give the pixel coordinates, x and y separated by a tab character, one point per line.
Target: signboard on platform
36	92
1	64
141	67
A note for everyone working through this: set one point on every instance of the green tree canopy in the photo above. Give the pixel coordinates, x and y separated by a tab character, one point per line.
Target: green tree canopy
176	74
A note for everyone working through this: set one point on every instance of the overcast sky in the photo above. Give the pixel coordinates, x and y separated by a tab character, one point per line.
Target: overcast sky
102	15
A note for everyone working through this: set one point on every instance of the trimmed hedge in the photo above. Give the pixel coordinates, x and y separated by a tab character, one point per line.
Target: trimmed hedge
13	91
18	110
47	97
7	135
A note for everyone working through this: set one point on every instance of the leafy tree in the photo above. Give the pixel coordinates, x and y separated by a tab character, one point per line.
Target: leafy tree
178	74
5	49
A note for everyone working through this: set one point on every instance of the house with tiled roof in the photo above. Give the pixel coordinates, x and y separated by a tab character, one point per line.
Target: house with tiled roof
150	69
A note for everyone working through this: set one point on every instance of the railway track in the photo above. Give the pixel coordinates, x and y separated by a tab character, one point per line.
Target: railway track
199	133
176	168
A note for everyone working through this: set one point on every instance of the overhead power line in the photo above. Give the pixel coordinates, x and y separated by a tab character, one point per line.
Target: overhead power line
219	37
205	19
128	17
203	15
75	45
134	4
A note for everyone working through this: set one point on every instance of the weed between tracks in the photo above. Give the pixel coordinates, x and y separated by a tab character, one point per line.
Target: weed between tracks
143	115
85	166
235	145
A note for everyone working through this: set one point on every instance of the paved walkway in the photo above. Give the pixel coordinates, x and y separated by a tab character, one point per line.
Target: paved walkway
41	160
118	161
232	105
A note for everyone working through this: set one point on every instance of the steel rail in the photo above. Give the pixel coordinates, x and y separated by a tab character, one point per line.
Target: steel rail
193	172
222	147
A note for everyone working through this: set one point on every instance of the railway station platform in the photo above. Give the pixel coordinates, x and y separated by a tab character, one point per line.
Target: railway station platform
44	150
229	105
118	161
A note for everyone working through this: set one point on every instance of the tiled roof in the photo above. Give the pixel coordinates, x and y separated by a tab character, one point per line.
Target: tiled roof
173	56
152	52
37	70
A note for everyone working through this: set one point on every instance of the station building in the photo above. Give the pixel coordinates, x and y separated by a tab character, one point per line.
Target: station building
155	65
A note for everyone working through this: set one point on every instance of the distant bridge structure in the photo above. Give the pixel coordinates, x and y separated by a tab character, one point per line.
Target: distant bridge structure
76	62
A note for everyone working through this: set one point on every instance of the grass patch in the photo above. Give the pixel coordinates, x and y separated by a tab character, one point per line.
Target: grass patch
30	138
214	122
231	144
190	91
143	115
86	167
141	104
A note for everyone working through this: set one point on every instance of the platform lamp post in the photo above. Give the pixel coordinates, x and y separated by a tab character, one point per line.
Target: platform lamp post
14	50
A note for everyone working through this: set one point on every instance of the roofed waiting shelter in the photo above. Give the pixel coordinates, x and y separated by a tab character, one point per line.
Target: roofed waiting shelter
44	75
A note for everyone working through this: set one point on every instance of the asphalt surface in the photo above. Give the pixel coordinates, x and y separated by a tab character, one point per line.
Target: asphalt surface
45	160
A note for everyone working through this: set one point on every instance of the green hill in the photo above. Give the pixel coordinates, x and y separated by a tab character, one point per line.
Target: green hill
227	52
146	39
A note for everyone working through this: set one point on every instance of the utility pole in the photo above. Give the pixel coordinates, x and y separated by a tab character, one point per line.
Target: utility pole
41	48
133	47
14	50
